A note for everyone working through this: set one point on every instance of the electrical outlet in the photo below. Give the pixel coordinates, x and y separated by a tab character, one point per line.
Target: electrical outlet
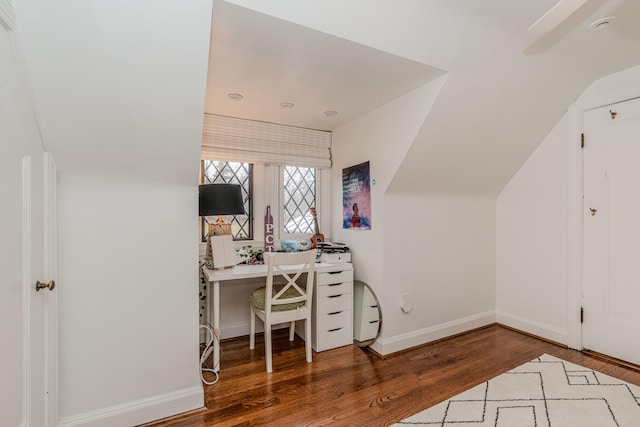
404	304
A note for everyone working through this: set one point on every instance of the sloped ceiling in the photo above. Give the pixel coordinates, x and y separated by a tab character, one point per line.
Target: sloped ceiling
506	88
113	87
270	61
118	86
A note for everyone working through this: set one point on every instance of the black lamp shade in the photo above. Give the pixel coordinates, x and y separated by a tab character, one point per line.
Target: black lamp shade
220	199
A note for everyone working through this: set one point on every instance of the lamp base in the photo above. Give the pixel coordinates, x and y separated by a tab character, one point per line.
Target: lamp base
219	228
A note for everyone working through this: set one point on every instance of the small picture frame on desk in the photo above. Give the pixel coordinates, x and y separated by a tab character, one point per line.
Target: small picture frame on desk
289	245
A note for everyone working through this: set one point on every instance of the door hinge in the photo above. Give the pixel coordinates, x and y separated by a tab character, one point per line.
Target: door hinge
581	315
582	140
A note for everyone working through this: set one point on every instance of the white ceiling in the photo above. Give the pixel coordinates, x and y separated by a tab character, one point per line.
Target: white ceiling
130	96
270	61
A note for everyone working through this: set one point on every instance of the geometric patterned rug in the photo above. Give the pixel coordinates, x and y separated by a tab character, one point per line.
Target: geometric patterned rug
546	392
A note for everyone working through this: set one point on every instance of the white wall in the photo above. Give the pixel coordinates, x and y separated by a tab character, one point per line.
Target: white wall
532	239
381	137
12	322
436	248
128	299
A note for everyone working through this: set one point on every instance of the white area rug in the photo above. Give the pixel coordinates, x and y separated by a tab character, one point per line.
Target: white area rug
546	392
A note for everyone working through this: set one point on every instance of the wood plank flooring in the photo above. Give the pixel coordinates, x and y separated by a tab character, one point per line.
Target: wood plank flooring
349	386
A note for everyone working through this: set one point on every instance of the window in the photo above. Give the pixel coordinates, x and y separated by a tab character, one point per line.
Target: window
291	191
217	172
299	196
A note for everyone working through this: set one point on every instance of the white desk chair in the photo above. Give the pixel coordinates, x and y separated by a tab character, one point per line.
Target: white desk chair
275	304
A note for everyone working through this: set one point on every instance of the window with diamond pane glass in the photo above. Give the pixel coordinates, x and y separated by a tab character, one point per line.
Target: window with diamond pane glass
299	196
215	172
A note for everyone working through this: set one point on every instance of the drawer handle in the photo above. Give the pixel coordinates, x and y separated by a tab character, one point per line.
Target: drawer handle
334	284
334	296
334	313
335	272
374	321
334	330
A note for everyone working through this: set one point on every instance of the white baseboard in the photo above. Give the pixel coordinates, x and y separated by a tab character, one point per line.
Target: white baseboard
240	329
141	411
388	345
542	330
231	330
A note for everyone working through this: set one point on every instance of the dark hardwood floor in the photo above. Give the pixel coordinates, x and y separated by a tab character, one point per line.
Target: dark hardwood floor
349	386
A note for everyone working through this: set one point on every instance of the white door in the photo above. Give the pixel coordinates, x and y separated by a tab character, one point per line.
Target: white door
25	368
611	272
22	389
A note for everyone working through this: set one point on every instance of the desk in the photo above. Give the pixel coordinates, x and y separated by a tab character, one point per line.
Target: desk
243	271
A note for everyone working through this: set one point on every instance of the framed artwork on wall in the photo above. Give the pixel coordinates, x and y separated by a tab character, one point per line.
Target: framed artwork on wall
356	197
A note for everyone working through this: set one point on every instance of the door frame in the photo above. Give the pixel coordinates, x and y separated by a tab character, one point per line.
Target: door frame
51	298
606	91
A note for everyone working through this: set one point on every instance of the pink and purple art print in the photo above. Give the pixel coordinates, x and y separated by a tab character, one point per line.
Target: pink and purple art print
356	197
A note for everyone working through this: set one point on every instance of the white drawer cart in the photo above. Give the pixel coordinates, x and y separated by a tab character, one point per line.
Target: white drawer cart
332	308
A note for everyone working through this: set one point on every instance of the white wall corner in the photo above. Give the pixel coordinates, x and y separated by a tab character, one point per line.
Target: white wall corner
530	326
388	345
141	411
7	15
617	87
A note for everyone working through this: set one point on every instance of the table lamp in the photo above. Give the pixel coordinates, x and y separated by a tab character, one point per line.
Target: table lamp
220	199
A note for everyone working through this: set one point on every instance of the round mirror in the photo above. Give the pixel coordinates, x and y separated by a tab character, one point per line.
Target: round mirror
367	316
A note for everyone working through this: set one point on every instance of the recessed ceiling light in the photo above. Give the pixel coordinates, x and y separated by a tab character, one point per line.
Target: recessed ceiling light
601	24
286	105
330	113
235	96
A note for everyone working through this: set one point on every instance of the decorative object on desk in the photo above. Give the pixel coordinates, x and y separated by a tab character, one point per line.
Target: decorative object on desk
304	245
289	245
333	252
250	255
268	231
222	253
367	315
317	237
220	199
356	197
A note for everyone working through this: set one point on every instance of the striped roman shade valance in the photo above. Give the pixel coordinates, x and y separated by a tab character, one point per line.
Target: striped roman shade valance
239	140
